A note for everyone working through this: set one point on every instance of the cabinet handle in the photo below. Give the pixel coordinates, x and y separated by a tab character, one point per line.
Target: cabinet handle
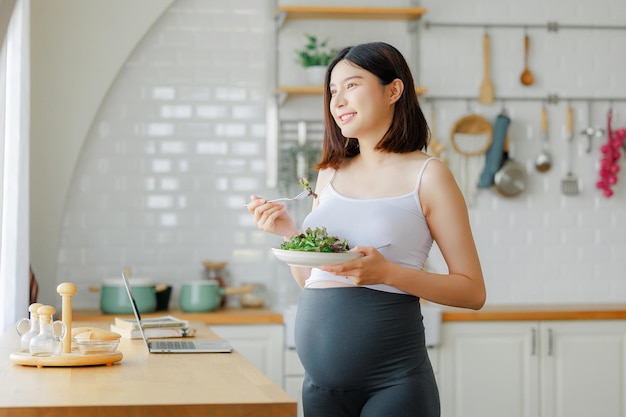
550	342
533	342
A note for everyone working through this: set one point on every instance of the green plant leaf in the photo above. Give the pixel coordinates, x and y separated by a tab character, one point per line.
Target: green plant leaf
315	53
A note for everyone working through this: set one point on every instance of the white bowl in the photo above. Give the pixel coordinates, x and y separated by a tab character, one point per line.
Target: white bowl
313	259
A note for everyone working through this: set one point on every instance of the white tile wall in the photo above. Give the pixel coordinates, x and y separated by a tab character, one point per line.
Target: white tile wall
542	246
179	145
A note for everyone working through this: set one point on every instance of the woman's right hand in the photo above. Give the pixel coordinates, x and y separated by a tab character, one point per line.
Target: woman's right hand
272	217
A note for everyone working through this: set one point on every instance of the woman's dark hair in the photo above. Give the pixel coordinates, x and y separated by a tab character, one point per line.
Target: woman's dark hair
408	131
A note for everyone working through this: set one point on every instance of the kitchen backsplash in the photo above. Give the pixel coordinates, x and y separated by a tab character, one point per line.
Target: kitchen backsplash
178	146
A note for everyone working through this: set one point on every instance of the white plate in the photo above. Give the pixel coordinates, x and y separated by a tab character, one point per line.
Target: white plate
313	259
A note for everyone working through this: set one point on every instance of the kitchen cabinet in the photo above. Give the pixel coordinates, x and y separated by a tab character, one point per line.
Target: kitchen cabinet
294	375
533	368
261	344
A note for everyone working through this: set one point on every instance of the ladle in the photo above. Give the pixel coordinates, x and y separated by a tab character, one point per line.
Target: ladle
543	163
527	77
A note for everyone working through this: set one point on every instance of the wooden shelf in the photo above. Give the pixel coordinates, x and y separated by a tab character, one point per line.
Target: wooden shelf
370	13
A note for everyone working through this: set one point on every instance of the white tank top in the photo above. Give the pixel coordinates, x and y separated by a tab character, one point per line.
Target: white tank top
397	221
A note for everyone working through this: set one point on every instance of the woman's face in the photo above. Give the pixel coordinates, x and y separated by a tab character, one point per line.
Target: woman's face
360	105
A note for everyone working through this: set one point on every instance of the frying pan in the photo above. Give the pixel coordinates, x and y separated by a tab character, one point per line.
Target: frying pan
511	178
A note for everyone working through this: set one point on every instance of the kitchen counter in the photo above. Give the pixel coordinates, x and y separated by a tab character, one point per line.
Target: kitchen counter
229	316
221	316
537	312
219	385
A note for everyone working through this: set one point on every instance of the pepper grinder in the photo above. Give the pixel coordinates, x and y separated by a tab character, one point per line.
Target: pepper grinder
67	290
213	272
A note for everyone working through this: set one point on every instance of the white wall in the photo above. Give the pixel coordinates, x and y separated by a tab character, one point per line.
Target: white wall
77	48
178	145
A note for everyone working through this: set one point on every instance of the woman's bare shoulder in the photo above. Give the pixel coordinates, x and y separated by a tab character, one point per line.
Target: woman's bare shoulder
438	184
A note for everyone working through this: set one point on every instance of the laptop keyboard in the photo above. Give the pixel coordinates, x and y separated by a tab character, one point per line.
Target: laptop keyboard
173	345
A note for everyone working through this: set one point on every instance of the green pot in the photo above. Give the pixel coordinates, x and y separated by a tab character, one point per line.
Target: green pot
200	296
114	299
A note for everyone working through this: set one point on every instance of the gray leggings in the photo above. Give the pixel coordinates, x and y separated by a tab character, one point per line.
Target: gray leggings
364	355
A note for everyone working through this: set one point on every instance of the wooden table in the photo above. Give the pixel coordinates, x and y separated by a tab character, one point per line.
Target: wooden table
142	384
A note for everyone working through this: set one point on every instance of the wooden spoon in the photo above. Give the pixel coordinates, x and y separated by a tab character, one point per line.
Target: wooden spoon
527	77
486	88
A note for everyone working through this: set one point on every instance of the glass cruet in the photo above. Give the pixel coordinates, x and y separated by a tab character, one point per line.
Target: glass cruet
46	343
28	328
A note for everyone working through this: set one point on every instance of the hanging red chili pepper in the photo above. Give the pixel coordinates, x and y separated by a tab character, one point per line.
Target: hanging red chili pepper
609	167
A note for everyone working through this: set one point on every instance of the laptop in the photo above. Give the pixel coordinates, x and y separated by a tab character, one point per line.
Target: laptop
175	345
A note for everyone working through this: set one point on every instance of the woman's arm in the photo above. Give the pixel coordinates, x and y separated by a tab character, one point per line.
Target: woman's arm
301	274
446	214
273	218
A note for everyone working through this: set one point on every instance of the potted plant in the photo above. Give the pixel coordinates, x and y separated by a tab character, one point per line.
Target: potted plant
314	57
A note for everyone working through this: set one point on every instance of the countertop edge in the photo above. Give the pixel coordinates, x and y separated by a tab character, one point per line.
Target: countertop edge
536	313
223	316
260	316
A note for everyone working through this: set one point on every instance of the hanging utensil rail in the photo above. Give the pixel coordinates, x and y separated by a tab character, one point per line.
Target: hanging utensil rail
550	98
551	26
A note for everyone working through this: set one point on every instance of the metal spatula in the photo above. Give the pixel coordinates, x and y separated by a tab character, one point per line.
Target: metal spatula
569	183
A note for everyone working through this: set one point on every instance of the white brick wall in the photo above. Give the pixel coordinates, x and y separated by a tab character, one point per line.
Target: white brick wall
542	247
179	144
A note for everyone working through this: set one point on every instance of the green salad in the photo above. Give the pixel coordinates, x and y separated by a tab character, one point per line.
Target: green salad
316	240
304	183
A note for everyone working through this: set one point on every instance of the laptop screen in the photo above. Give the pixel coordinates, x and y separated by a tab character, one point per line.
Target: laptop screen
133	305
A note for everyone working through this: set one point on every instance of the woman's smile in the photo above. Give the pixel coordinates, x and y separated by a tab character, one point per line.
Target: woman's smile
346	117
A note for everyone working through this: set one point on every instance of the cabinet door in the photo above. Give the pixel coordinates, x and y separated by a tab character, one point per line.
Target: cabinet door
261	344
489	369
584	368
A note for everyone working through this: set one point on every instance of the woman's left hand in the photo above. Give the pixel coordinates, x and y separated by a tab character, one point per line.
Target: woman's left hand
369	269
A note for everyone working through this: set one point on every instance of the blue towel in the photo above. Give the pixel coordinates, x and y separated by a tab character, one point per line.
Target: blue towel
493	159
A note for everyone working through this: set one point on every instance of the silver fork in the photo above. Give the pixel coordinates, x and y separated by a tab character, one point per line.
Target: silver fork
304	194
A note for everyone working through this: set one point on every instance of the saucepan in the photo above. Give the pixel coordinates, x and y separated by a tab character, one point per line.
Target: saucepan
204	295
511	178
114	299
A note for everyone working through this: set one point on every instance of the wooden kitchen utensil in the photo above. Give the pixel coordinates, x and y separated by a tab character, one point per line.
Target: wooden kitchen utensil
435	148
527	77
569	184
477	135
486	95
470	138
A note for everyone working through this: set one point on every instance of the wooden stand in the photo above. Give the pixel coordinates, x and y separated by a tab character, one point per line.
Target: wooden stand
67	358
67	290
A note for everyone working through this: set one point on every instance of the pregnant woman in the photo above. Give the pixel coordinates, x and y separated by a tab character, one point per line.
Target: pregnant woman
359	332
